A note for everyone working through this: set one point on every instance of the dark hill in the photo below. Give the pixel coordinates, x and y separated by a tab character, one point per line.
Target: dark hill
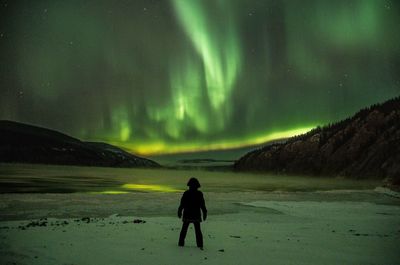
22	143
365	145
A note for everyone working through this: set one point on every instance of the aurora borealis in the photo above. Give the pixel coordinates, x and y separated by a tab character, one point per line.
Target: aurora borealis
184	75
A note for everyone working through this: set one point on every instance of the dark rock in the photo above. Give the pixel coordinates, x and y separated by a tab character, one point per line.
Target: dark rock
139	221
365	145
36	223
32	224
221	250
86	219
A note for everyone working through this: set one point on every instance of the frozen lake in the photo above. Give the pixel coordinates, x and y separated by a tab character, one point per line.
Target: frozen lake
24	178
33	191
48	212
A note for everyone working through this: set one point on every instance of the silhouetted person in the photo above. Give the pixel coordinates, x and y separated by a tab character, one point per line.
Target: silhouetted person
191	203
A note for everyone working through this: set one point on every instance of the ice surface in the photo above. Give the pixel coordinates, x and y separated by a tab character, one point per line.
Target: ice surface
253	219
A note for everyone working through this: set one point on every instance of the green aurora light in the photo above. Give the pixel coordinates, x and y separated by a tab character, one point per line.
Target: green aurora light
186	75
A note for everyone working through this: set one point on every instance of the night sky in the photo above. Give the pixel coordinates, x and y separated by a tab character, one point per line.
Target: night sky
183	75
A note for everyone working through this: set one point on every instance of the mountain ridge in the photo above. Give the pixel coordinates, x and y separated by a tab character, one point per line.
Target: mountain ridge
362	146
24	143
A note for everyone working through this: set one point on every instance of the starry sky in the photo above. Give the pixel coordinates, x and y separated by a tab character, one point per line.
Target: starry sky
166	76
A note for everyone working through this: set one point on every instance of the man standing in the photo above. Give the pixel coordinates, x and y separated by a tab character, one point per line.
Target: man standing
191	203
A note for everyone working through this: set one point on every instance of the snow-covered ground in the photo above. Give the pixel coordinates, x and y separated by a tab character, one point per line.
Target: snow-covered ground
254	229
247	223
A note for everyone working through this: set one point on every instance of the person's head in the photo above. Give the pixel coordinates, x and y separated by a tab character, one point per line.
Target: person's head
193	183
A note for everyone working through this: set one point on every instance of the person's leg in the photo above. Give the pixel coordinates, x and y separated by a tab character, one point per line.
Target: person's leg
199	235
182	235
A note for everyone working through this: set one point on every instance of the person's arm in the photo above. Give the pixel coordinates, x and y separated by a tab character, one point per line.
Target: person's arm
203	207
181	206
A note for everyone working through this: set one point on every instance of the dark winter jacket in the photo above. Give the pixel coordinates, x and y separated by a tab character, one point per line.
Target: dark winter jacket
191	203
